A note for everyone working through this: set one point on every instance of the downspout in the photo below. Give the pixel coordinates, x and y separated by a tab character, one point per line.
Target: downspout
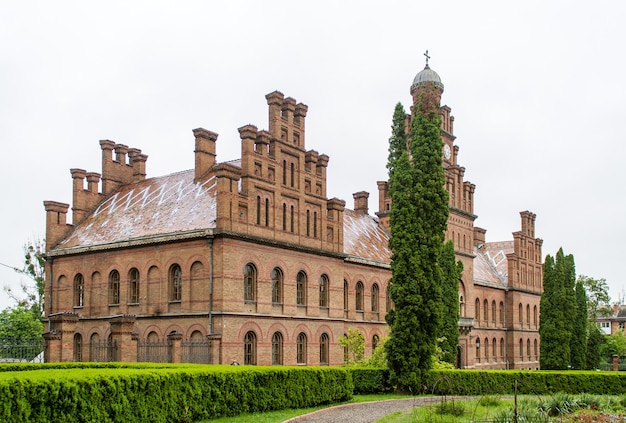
210	286
49	260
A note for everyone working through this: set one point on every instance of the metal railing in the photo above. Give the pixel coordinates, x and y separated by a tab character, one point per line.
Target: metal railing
21	350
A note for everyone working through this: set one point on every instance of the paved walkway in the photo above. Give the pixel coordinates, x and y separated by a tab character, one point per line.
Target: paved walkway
362	412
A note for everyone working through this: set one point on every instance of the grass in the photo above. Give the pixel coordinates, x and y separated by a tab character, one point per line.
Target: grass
282	415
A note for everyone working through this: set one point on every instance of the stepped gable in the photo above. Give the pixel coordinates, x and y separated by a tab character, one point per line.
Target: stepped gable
490	262
163	205
364	238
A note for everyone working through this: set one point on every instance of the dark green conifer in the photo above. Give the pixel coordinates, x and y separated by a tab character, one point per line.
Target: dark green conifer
452	271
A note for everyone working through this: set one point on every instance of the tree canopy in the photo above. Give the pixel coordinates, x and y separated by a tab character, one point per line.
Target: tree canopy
19	323
418	219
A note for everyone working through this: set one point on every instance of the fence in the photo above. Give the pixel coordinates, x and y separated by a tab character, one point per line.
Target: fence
154	352
103	351
21	350
196	352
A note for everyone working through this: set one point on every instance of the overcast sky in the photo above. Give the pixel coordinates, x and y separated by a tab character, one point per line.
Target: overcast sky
536	87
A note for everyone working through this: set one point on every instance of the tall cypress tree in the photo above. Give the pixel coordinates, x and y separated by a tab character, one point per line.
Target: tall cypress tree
558	304
578	344
452	271
418	219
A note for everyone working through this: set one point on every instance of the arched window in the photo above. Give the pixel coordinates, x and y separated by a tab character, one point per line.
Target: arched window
345	295
284	217
133	286
494	349
249	348
478	349
493	312
284	172
521	314
324	349
359	296
315	224
78	347
267	212
301	288
277	348
528	349
486	349
79	290
521	349
176	283
258	210
528	316
461	306
308	223
375	298
277	286
249	283
114	287
301	348
535	316
291	220
501	314
324	291
293	172
477	311
486	312
375	341
501	349
536	348
94	348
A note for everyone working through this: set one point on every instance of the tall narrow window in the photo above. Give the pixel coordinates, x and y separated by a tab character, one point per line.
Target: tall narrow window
284	172
249	348
359	296
536	350
267	212
277	286
477	311
486	349
535	316
486	311
249	283
258	210
521	314
478	350
308	223
375	341
79	290
293	171
314	224
324	349
133	286
345	295
494	349
375	298
521	349
501	349
301	289
501	314
277	348
78	347
176	283
291	220
528	315
493	312
301	348
284	217
323	291
114	287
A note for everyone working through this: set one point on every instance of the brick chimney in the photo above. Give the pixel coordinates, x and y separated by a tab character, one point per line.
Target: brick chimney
56	222
205	151
360	202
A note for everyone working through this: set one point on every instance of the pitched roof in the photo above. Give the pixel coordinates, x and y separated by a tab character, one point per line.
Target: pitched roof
364	238
491	264
164	205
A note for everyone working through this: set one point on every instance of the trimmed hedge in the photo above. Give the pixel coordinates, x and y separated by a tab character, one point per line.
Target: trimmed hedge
481	382
71	393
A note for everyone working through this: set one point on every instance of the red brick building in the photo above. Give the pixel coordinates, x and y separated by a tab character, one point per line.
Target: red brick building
249	260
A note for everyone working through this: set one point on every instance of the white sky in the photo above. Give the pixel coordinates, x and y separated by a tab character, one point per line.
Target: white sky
536	87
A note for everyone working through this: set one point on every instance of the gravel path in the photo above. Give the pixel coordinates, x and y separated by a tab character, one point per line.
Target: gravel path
363	412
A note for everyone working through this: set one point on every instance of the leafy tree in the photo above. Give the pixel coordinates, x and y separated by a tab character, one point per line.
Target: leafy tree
18	324
378	358
614	344
418	219
354	344
578	344
452	271
557	305
598	296
595	339
32	293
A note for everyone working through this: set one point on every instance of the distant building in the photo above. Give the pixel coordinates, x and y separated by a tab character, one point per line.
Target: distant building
613	323
250	261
